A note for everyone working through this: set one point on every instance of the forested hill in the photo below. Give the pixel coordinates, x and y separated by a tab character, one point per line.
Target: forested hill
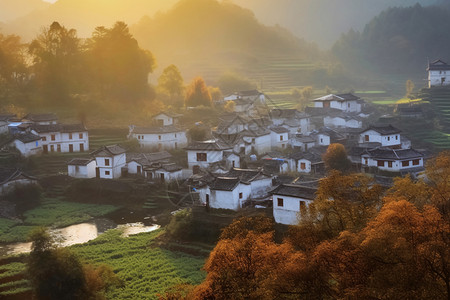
399	40
204	31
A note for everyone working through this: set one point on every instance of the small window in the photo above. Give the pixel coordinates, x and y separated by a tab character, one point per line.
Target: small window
405	163
281	137
416	162
106	161
302	166
201	156
44	138
280	202
396	137
388	138
53	137
107	172
366	161
389	164
175	135
380	163
80	135
37	144
70	136
159	137
321	140
240	195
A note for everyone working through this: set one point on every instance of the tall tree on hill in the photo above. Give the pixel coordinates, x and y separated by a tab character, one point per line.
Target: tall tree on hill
57	60
119	66
171	82
197	94
13	68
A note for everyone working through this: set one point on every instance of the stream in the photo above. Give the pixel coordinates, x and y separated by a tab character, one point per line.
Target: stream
79	234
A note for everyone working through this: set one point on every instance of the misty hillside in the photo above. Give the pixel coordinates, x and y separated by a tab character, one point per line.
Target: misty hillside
399	40
83	15
322	21
12	9
210	37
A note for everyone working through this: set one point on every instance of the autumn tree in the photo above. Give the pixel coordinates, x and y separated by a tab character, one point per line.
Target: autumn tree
216	93
197	94
13	69
57	62
335	158
171	83
119	67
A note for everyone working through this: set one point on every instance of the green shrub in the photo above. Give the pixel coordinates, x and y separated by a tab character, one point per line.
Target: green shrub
180	224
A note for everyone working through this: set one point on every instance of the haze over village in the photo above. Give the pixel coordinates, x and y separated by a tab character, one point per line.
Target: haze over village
224	149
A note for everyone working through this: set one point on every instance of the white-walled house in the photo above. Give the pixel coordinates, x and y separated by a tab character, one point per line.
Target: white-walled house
384	135
27	143
62	137
13	178
290	201
166	118
343	102
393	160
3	127
110	161
138	163
168	172
438	73
160	138
203	154
227	193
81	168
260	182
41	119
293	120
279	137
302	142
342	120
305	162
257	141
232	160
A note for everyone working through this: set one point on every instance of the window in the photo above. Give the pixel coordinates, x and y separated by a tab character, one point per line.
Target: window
106	161
388	138
321	140
159	137
107	172
280	202
366	161
201	156
240	196
405	163
281	137
380	163
44	138
302	166
416	162
58	148
389	164
139	137
253	141
80	135
348	105
302	207
70	136
53	137
396	137
175	135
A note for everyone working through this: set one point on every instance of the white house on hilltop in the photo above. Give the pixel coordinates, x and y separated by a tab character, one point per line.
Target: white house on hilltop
290	201
438	73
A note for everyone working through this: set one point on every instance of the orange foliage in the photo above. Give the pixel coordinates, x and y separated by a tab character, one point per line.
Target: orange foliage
197	94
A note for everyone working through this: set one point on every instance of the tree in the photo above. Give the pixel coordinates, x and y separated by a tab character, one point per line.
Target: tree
13	69
409	88
180	224
216	93
57	62
171	82
119	67
336	158
197	94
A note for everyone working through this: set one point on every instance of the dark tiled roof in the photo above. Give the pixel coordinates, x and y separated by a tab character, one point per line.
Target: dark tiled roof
41	117
246	175
383	129
294	190
73	128
27	137
338	97
6	117
320	111
438	65
305	139
312	157
147	158
171	167
169	114
208	145
109	151
386	153
80	161
224	183
255	133
249	93
7	175
46	128
279	129
156	129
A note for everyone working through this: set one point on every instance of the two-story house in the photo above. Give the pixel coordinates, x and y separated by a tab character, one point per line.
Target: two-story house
344	102
438	73
62	137
110	161
381	135
202	154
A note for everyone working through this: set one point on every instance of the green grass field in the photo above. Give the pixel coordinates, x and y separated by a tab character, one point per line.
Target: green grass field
52	212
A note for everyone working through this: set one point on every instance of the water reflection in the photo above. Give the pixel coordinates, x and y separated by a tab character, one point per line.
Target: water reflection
79	234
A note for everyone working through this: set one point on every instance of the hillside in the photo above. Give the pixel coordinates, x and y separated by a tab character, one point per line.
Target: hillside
12	9
398	41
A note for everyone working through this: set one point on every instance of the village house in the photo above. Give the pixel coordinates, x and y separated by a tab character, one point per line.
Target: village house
293	120
62	137
342	120
41	119
326	136
301	142
168	172
203	154
393	160
279	137
161	138
246	102
305	162
141	163
343	102
438	73
259	180
82	168
290	201
382	135
13	178
3	127
167	118
27	143
110	161
257	141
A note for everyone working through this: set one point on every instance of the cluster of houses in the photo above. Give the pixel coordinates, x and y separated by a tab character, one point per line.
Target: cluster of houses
245	158
42	133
